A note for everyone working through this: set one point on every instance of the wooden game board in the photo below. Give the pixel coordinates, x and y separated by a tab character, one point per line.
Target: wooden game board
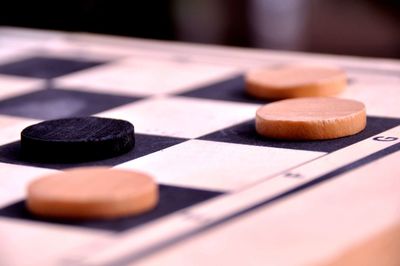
228	196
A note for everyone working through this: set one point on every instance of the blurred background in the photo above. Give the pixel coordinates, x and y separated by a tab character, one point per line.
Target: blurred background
356	27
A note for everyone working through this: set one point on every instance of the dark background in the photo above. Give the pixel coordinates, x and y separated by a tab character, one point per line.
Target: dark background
355	27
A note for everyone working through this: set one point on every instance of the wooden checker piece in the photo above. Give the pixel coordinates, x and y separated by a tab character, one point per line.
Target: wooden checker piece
248	196
312	118
294	81
92	193
77	139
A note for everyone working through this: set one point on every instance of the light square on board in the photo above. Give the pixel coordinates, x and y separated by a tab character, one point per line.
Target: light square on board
9	54
217	166
182	117
14	180
146	77
380	95
19	38
11	127
11	86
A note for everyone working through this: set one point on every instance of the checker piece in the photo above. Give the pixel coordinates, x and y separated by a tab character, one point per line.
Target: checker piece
77	139
292	81
92	193
311	118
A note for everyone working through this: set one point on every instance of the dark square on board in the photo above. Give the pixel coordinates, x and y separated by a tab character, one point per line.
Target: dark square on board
232	89
46	67
245	133
57	103
144	145
171	200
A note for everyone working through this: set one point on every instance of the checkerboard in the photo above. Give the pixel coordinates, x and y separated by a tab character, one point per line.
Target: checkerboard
227	195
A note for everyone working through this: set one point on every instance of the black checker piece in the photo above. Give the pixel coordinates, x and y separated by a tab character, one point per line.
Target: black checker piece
144	145
77	139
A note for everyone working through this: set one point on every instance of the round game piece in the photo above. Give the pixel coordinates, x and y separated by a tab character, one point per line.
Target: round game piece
294	81
92	193
313	118
77	139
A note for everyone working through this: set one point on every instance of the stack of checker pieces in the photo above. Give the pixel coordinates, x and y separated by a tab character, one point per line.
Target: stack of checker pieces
208	114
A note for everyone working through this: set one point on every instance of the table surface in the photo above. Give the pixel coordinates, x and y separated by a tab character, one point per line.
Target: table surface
227	195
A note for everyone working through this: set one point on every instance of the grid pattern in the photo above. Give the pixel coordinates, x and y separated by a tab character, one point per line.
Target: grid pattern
44	98
194	124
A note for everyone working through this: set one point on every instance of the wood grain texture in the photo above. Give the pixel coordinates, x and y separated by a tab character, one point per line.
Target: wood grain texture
77	139
294	229
311	118
92	193
380	249
295	81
